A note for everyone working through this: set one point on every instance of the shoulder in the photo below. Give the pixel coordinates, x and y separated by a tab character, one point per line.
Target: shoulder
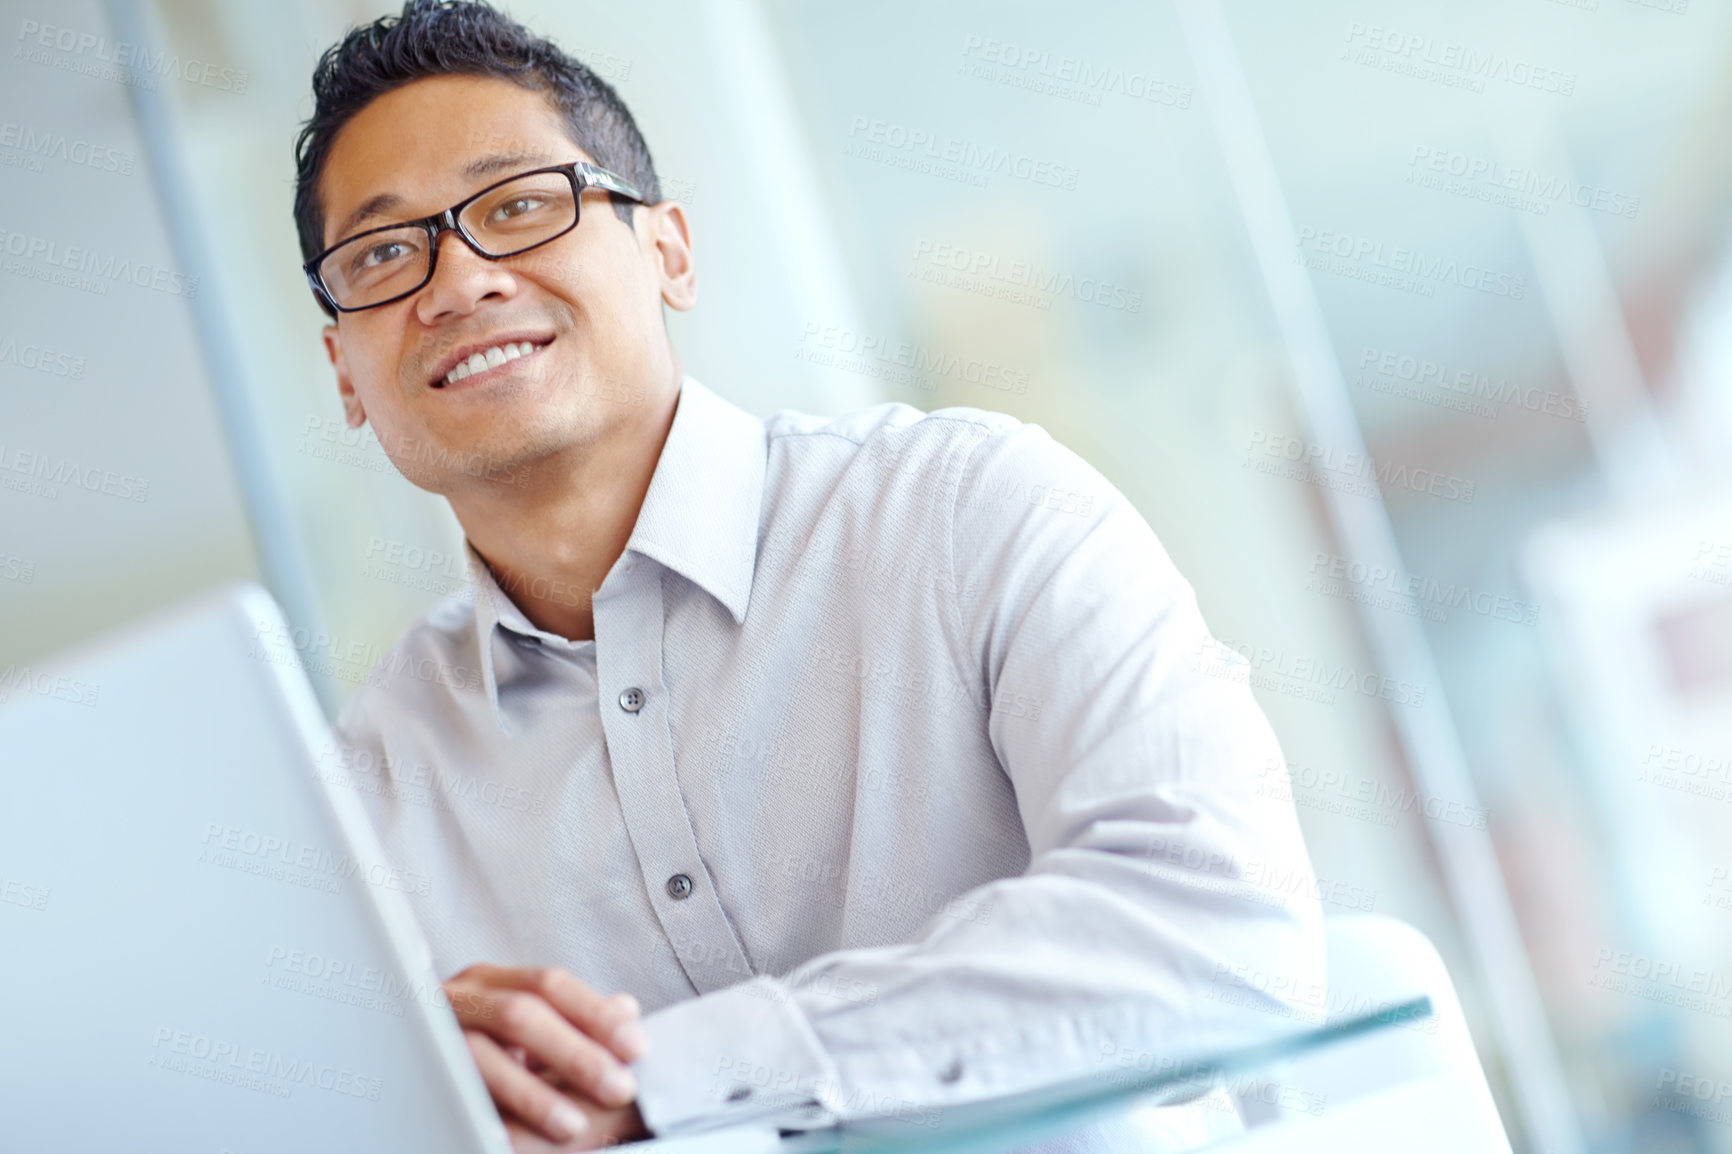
435	658
889	429
991	466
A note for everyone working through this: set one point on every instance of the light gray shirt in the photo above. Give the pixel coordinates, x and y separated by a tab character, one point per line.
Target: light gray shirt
902	772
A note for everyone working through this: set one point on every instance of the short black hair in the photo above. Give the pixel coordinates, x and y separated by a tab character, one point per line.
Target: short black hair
460	38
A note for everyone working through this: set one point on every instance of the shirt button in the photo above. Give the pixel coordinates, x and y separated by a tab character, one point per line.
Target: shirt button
679	887
631	700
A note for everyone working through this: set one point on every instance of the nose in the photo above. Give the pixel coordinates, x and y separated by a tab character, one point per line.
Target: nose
462	279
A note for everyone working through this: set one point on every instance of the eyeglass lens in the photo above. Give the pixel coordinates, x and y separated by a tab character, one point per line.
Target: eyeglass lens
515	216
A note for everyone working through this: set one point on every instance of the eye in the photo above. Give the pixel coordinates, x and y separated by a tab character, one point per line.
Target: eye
515	207
383	253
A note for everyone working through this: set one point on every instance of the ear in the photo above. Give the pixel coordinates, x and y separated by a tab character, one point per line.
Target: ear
669	241
352	410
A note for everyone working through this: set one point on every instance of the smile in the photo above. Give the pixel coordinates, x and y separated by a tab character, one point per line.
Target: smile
490	358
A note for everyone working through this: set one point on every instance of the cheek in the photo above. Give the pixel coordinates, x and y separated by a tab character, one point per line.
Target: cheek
377	377
370	355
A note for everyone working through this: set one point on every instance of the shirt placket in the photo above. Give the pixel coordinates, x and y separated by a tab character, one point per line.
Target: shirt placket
629	627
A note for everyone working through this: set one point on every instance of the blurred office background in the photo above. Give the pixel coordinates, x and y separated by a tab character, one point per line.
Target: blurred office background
1406	323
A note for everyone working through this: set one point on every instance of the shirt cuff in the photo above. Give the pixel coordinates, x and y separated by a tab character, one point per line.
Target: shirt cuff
741	1055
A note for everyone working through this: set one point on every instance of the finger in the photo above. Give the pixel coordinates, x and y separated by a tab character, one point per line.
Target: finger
521	1095
526	1141
519	1018
611	1021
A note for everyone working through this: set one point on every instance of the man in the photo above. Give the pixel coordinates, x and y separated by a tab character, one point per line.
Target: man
881	763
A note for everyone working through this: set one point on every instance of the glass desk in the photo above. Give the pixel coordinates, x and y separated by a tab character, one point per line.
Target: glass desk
1015	1121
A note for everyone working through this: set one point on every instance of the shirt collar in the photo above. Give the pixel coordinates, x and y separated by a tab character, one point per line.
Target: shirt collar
699	518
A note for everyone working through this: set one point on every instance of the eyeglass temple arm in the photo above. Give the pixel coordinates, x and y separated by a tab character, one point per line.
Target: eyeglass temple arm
602	178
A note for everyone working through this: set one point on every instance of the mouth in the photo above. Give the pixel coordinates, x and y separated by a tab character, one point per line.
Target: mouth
477	362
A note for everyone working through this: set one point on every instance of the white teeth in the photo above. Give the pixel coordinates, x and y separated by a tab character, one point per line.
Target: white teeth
491	358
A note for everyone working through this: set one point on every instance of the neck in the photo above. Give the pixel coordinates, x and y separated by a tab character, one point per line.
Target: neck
551	543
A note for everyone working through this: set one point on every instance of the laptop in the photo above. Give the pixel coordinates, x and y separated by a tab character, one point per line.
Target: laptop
202	946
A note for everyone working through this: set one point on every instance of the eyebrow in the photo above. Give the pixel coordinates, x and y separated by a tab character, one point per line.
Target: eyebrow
375	206
499	161
383	204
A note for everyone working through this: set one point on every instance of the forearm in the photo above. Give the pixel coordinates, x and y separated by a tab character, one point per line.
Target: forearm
1093	955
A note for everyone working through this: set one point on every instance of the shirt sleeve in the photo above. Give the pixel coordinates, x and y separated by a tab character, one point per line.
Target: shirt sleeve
1169	908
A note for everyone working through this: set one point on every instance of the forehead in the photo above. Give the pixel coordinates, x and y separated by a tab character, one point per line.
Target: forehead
423	146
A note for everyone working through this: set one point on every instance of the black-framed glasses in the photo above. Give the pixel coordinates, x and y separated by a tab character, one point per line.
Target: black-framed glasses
517	214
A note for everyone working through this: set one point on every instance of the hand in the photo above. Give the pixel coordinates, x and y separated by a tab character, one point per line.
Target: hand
531	1027
607	1127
